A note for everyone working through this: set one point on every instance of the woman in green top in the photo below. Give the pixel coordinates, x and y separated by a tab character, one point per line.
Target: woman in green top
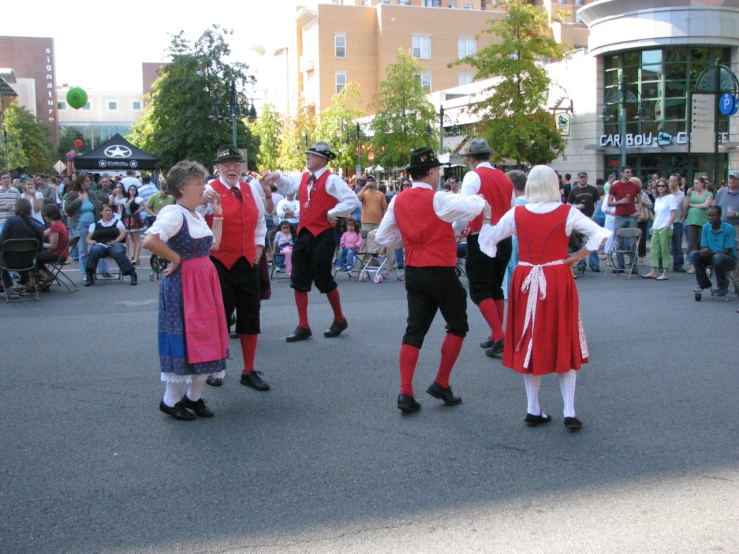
695	208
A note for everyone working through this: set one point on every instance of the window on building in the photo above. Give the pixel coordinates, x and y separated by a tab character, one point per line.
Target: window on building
404	2
86	106
431	3
467	6
465	78
340	82
467	46
61	105
340	46
425	81
385	1
422	47
562	1
452	4
579	2
136	105
112	105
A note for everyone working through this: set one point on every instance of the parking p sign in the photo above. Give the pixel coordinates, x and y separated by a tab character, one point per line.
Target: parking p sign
728	104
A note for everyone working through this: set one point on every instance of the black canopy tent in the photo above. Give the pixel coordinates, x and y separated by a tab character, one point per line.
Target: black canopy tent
117	153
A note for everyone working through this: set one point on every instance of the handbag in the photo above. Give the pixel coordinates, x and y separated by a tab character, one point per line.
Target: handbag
645	214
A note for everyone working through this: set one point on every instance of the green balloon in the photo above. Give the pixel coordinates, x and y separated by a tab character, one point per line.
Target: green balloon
76	98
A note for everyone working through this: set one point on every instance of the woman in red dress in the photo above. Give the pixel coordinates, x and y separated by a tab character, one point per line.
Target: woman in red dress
544	330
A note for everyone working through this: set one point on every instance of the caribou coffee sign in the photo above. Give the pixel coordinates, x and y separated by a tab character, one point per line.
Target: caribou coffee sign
650	140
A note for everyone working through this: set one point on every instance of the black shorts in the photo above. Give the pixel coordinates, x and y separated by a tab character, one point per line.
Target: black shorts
430	289
242	291
485	274
312	261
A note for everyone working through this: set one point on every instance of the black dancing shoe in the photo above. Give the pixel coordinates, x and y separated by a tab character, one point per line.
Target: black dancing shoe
300	333
254	380
487	343
407	404
197	406
496	349
445	394
534	420
178	411
336	328
573	424
134	278
214	381
89	279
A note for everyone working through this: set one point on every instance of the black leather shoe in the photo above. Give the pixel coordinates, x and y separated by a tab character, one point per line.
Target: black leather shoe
254	380
300	333
178	411
214	381
534	420
487	343
336	328
445	394
573	424
496	349
408	404
134	278
197	406
234	335
89	279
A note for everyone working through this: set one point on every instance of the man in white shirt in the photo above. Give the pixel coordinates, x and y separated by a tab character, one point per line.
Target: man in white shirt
676	247
130	179
324	196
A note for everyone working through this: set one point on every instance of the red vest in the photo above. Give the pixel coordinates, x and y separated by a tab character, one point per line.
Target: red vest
428	240
239	225
314	216
497	188
541	237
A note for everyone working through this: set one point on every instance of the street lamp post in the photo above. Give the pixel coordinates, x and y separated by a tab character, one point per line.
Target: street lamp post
622	96
357	134
234	113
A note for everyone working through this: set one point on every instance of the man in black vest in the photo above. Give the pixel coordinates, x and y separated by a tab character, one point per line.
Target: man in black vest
107	238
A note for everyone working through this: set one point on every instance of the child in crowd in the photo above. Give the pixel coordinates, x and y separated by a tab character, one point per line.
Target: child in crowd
283	239
351	242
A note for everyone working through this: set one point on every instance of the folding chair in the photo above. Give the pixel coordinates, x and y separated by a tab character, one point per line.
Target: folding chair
630	233
55	268
360	259
20	246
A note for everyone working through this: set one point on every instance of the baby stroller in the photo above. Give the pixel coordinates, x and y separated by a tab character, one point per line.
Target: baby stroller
157	266
375	261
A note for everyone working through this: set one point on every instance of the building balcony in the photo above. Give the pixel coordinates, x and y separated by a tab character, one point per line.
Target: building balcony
307	63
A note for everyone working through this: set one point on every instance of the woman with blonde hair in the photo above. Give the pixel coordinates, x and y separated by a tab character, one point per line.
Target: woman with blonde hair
665	211
543	286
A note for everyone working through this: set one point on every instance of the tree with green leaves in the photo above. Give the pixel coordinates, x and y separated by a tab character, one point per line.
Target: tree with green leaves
67	136
403	112
268	130
338	128
512	113
176	125
28	140
298	134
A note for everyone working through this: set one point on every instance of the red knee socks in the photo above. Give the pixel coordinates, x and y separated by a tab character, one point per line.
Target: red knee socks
500	305
301	301
489	310
408	361
249	350
335	300
450	349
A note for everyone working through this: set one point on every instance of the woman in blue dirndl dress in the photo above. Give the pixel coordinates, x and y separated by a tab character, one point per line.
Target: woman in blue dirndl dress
193	338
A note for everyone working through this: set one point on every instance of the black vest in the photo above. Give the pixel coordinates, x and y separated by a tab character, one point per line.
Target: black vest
105	234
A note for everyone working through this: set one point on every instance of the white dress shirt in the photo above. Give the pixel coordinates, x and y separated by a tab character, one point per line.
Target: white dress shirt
491	235
258	194
286	204
471	187
448	206
335	186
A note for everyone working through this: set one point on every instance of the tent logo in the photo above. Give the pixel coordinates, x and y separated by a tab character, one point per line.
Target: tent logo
118	151
102	163
133	163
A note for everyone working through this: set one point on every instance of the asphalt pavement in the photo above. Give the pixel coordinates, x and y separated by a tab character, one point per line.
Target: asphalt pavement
324	462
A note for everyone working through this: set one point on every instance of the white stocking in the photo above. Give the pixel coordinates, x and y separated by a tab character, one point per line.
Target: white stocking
171	393
195	391
532	382
567	386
